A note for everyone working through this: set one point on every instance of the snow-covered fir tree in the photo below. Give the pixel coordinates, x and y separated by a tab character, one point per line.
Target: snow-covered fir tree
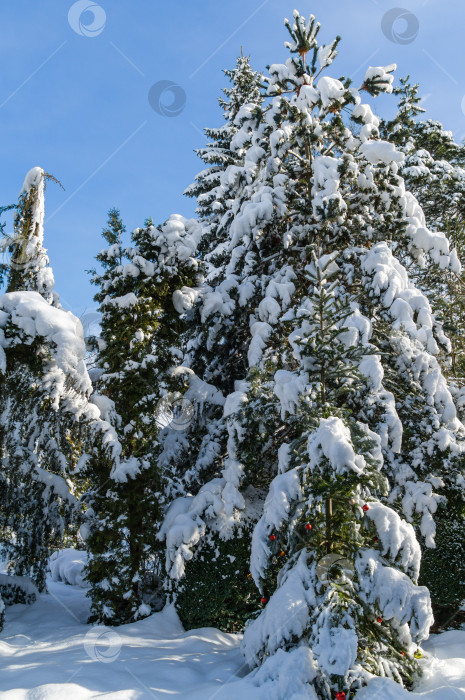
320	181
44	399
140	344
434	162
434	171
29	268
211	190
217	357
344	562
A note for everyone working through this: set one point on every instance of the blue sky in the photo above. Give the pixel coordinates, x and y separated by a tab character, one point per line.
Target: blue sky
78	105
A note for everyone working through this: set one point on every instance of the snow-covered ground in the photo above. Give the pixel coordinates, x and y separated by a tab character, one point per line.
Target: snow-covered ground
47	651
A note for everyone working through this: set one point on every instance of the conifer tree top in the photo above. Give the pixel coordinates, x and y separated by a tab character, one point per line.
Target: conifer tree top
33	179
29	268
245	87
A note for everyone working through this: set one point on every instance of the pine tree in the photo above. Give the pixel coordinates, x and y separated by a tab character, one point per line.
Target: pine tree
44	399
325	536
321	181
217	357
434	162
213	353
141	335
29	268
434	170
210	188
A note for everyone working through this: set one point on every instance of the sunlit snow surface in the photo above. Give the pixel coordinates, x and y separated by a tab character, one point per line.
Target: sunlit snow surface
48	651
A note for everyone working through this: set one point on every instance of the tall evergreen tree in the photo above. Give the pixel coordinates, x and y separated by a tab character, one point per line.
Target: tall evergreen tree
210	189
434	170
140	344
327	539
29	267
321	181
217	356
434	162
44	399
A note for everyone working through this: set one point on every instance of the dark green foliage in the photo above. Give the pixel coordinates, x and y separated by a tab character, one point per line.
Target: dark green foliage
141	334
443	568
122	543
218	590
16	592
259	445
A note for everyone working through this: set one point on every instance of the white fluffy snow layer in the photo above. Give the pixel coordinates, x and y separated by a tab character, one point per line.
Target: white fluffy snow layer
33	317
48	652
33	254
67	565
26	316
410	311
33	179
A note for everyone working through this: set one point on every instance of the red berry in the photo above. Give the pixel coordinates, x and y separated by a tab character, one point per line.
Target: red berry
366	507
379	620
402	653
308	526
272	538
376	539
341	695
263	600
